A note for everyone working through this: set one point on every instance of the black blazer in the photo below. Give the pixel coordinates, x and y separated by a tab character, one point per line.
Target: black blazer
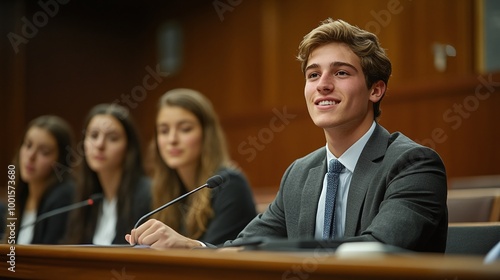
52	230
140	206
233	207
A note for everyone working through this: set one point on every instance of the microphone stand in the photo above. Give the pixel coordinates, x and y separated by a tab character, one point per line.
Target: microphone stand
168	204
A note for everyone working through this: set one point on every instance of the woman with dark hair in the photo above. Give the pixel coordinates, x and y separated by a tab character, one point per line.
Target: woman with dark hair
112	165
190	148
43	182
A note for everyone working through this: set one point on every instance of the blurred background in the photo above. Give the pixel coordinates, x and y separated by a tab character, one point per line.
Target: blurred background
63	57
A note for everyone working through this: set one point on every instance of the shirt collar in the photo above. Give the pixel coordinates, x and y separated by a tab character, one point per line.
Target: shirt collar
350	157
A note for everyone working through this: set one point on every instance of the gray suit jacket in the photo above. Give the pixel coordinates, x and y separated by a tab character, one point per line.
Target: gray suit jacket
397	196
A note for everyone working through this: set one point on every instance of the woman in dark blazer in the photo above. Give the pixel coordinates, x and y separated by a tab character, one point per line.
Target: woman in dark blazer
190	148
43	181
111	166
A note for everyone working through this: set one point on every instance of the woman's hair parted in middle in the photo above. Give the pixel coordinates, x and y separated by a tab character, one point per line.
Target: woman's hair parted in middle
214	155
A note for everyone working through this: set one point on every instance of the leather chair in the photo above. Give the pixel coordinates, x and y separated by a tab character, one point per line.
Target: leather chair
473	209
474	205
472	238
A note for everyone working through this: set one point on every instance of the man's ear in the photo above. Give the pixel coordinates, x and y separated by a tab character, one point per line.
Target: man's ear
377	91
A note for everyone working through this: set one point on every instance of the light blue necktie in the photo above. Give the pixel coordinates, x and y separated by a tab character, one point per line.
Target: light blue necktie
332	184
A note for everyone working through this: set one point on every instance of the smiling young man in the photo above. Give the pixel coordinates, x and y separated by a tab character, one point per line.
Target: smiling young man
388	188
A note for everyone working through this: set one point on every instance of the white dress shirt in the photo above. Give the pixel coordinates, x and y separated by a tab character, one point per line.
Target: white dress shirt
349	159
25	235
106	223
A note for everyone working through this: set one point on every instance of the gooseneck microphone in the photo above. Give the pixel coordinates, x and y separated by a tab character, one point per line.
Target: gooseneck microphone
211	183
91	200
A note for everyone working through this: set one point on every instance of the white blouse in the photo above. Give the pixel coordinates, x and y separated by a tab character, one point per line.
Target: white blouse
26	232
106	223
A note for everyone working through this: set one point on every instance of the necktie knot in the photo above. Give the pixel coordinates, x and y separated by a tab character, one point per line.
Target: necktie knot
335	166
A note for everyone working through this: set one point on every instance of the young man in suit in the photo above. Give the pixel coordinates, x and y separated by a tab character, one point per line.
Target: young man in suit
389	189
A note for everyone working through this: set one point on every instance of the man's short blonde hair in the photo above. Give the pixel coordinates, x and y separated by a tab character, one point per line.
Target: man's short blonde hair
375	64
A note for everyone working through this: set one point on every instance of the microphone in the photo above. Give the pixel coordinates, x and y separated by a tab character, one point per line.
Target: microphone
211	183
90	201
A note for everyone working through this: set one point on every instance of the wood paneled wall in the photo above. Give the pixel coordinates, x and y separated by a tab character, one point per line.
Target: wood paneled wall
241	54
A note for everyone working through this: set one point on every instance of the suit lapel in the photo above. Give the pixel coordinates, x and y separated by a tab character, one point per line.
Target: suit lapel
363	174
310	197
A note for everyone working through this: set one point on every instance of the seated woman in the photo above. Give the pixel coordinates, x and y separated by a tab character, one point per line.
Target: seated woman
112	165
190	148
43	182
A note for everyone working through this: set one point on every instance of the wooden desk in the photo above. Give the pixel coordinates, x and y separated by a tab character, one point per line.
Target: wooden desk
61	262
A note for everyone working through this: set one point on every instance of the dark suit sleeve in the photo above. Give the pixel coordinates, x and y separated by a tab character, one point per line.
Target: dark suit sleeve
410	210
52	230
233	207
269	224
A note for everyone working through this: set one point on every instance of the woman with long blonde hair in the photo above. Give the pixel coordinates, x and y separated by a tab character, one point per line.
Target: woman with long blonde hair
190	148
